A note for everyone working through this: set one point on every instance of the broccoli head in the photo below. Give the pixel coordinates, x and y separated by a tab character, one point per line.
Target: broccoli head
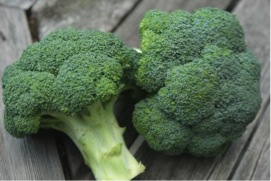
203	82
169	39
70	81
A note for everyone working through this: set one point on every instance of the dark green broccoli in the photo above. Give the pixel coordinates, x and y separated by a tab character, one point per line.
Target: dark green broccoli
169	39
70	82
203	82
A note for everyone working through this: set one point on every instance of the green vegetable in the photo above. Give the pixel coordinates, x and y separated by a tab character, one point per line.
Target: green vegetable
70	82
203	82
202	85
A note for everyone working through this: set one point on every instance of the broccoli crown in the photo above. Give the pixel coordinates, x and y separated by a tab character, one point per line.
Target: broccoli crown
170	39
65	72
202	95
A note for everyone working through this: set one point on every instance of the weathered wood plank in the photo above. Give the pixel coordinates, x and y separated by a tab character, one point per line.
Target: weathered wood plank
256	27
163	167
262	171
34	157
22	4
95	14
187	167
252	157
128	30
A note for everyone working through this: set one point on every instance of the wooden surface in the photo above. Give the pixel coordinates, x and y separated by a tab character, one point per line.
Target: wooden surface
21	4
34	157
95	14
51	155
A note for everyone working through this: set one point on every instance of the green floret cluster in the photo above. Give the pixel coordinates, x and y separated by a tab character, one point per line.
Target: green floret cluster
203	82
64	72
170	39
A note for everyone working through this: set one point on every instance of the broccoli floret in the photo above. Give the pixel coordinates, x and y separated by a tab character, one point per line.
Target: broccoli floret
170	39
151	122
203	82
70	81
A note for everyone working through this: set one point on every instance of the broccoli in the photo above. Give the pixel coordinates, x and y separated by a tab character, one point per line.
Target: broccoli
202	80
70	81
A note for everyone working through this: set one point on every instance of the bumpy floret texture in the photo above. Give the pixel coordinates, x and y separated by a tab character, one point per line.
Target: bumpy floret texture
204	89
176	38
65	72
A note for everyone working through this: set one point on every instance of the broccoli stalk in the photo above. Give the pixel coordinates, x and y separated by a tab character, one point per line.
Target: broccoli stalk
96	133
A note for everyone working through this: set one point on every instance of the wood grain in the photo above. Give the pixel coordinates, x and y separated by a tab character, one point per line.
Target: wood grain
256	26
252	158
262	171
128	30
93	14
22	4
34	157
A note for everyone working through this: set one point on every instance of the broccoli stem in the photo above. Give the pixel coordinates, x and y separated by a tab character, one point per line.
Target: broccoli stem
100	140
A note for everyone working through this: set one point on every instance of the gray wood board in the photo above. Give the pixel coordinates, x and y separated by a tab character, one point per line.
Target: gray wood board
256	26
128	30
22	4
188	167
103	15
251	164
34	157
